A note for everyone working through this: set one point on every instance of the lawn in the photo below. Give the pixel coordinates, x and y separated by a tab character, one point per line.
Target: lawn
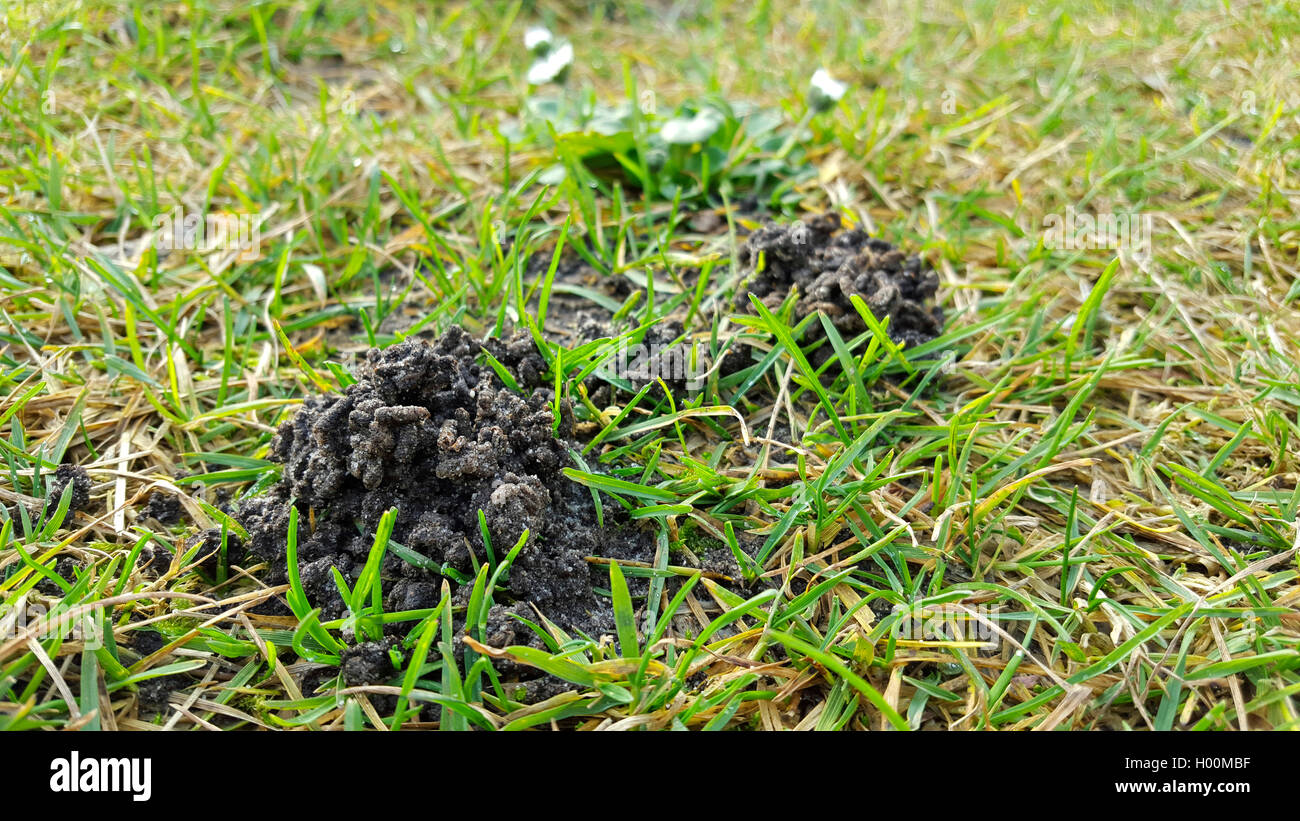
1067	499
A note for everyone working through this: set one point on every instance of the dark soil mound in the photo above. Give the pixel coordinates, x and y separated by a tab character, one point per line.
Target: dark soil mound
428	430
163	507
828	266
153	694
76	476
66	568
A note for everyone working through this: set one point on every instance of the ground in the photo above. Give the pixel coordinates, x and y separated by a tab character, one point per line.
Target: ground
1020	452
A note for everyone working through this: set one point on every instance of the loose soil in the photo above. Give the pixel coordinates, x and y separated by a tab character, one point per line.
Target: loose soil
428	430
823	264
163	507
431	431
828	266
76	476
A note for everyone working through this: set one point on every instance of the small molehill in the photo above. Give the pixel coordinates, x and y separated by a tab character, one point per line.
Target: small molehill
431	431
80	480
163	508
829	266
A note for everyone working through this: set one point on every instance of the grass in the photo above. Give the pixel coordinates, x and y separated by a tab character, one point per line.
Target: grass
1097	462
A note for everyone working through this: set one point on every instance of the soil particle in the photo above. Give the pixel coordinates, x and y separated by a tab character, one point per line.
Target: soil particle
164	508
428	430
312	678
153	694
368	663
828	266
147	642
76	476
153	561
209	551
66	568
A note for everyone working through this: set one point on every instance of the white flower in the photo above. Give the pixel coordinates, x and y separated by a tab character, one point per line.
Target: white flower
538	40
689	130
552	67
825	90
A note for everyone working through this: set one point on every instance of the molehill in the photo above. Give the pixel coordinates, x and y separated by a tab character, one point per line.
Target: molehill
430	431
828	266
